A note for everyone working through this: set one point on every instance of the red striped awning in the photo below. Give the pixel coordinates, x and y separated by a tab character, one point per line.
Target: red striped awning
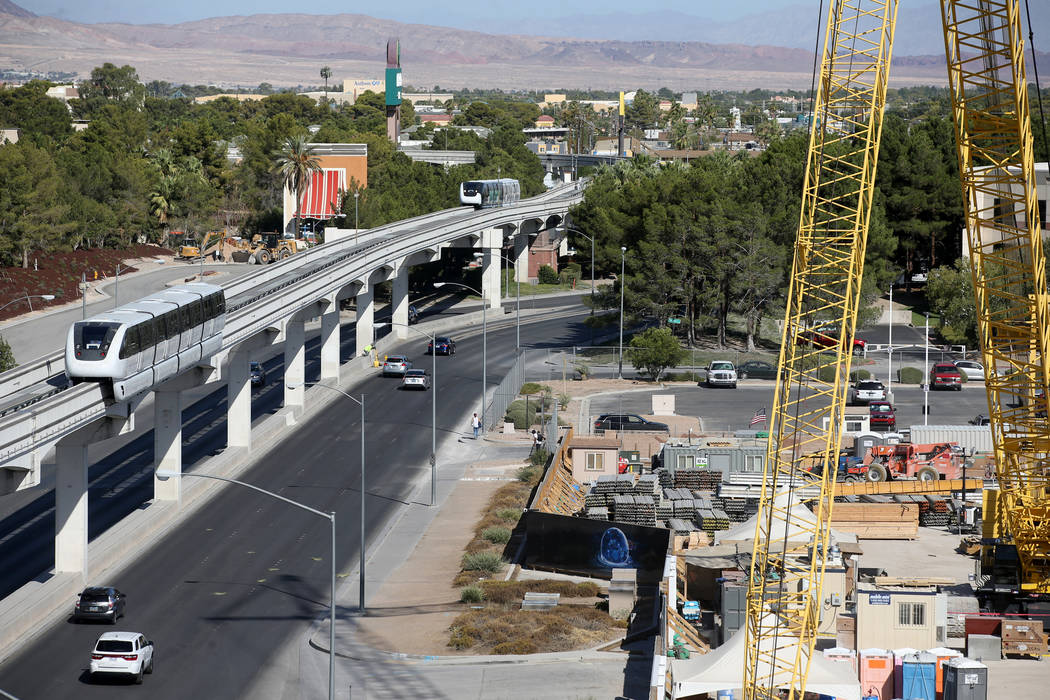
322	194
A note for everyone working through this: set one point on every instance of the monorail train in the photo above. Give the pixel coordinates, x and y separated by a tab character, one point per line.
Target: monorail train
490	193
141	344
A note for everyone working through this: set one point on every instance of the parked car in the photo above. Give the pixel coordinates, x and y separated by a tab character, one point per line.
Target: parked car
721	373
445	346
943	375
882	416
416	379
972	370
866	391
100	603
756	369
123	654
396	366
627	421
256	373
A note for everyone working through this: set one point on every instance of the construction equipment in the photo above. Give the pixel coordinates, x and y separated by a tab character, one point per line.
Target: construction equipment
989	95
270	246
192	249
906	460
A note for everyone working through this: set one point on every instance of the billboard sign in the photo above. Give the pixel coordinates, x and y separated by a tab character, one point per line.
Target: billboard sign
393	87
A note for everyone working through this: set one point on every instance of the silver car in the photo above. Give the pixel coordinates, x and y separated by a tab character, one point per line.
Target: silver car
972	370
396	366
864	392
721	373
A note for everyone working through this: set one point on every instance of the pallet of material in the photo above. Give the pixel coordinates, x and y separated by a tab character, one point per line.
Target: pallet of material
877	521
914	581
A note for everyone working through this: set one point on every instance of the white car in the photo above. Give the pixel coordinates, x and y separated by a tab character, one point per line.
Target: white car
721	373
416	379
122	654
972	370
866	391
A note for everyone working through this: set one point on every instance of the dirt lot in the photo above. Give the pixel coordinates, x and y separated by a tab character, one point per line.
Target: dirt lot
60	273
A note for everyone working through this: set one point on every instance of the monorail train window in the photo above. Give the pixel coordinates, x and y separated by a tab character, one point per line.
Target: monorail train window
146	337
160	333
213	306
131	343
196	313
185	319
94	336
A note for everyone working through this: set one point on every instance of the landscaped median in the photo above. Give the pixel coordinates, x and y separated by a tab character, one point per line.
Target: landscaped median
492	621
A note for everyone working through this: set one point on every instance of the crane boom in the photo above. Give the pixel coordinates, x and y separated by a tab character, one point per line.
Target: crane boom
989	92
786	578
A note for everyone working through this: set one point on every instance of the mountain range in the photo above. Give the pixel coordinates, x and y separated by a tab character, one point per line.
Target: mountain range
289	49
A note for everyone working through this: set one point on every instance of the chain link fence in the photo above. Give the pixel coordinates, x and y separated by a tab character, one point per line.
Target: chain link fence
505	393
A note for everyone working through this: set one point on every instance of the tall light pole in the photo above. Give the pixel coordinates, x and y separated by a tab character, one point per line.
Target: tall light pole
27	298
83	295
517	311
926	379
889	351
591	239
357	195
623	259
484	346
164	475
433	404
116	285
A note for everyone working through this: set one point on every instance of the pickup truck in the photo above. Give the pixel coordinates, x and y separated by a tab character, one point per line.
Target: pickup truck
882	416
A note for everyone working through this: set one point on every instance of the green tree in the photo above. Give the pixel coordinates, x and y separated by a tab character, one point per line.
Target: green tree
7	357
33	213
654	350
949	292
296	164
108	84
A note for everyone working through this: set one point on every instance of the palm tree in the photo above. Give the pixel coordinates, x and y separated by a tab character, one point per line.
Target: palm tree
296	164
326	73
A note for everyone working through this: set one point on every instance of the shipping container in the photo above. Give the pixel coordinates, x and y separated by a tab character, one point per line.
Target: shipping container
977	438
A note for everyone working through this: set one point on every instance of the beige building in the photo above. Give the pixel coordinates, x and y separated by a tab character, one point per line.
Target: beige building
892	617
240	97
355	87
592	457
9	135
344	167
988	203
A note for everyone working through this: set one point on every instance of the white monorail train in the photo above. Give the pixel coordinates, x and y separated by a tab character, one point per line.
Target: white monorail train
490	193
141	344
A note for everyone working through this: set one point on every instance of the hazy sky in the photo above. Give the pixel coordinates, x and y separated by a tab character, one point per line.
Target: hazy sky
410	11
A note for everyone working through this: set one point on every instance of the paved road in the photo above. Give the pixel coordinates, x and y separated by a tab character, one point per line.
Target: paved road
243	576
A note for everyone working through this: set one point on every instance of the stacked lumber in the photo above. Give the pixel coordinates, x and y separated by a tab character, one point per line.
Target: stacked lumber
877	521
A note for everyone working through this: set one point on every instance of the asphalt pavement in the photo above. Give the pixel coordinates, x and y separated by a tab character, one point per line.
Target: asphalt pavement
243	577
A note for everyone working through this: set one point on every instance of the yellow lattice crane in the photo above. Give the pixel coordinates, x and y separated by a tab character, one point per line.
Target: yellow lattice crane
986	70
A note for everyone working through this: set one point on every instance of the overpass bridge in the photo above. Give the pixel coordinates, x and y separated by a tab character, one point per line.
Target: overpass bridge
267	309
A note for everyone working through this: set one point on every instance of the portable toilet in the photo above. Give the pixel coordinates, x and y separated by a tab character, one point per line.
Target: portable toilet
842	655
876	673
919	675
898	672
965	679
943	654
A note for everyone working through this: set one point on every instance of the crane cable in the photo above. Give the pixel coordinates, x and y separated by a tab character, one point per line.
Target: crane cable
1038	92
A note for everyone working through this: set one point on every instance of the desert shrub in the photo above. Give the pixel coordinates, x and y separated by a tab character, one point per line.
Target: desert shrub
539	458
472	594
547	275
497	535
477	545
681	377
524	413
587	589
570	272
463	637
521	645
563	400
584	369
509	515
513	591
909	375
490	562
527	474
533	388
859	375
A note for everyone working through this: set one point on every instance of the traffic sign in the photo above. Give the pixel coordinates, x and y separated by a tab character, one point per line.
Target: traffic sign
674	320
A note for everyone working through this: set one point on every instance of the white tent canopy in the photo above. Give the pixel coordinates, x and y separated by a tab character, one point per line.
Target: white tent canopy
799	515
723	669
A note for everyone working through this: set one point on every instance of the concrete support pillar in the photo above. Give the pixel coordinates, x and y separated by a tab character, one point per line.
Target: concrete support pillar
330	338
491	245
238	402
366	312
294	362
71	508
521	256
167	443
399	301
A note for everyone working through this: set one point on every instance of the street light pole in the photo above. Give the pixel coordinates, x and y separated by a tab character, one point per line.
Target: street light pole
484	345
26	298
623	262
83	295
926	384
164	475
517	310
433	405
889	351
116	286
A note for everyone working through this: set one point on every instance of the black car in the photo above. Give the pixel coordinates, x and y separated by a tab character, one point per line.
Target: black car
443	346
756	369
100	603
627	421
257	373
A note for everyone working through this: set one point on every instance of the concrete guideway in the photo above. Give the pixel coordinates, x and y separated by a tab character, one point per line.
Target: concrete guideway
269	309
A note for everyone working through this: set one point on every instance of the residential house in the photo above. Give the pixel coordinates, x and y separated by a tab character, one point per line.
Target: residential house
592	457
544	121
439	120
9	135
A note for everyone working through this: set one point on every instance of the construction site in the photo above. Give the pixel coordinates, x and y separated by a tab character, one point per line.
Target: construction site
814	559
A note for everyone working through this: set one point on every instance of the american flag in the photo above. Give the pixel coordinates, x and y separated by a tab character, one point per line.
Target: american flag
760	416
